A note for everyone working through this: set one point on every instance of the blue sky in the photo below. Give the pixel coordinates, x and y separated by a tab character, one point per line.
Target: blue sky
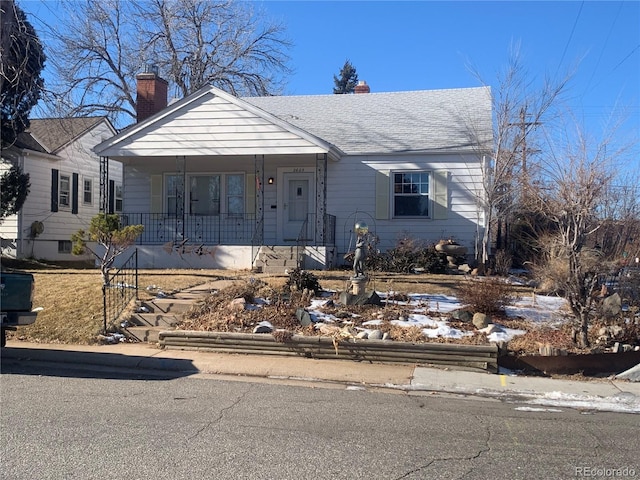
418	45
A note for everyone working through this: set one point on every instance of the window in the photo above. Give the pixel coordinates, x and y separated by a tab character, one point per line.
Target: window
411	194
118	197
204	195
87	191
64	246
64	191
235	194
175	195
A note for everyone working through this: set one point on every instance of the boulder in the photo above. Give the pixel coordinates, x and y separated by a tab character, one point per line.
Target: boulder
375	335
480	320
462	315
612	305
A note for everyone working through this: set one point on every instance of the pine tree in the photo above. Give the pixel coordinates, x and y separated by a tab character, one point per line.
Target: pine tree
348	79
20	75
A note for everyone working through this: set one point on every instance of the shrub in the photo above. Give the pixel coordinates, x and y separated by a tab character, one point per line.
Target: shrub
303	280
486	295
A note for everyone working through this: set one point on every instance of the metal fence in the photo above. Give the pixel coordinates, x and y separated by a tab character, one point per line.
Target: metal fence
161	228
120	289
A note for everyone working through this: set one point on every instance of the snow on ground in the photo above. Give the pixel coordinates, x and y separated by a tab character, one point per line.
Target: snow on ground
535	308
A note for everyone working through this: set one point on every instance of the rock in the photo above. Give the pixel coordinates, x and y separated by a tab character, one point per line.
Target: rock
491	328
362	335
612	305
238	304
465	268
263	327
366	298
462	315
480	320
303	317
375	335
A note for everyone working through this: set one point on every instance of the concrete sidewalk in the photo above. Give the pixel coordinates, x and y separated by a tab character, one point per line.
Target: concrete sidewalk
590	394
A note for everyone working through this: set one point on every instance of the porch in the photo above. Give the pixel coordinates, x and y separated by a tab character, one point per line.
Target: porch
230	241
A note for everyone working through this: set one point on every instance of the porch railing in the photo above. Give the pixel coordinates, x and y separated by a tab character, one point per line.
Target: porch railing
162	228
227	229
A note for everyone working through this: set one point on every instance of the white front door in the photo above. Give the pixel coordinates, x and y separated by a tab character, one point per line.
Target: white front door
297	196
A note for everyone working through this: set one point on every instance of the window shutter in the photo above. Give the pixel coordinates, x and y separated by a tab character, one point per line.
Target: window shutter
382	194
250	193
54	190
74	193
440	195
156	194
112	196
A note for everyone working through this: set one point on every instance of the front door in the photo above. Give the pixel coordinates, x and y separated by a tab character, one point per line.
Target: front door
297	203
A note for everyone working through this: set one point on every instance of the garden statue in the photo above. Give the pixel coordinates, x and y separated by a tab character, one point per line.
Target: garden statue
359	258
360	255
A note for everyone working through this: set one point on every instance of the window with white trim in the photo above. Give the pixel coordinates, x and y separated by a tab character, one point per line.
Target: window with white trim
87	191
64	191
235	194
118	198
411	194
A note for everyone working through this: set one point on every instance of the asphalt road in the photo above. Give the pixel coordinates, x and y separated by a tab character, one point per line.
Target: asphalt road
115	424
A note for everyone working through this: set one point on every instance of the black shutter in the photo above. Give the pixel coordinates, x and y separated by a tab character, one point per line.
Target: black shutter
74	193
54	190
112	196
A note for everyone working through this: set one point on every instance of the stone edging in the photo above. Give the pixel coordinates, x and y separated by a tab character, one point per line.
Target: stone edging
477	357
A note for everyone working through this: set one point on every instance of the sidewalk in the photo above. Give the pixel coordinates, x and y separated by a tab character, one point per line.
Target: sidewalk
596	394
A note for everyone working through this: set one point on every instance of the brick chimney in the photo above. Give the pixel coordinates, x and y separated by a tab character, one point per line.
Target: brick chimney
362	87
151	93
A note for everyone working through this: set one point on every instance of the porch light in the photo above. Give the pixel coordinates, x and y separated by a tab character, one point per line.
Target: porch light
270	181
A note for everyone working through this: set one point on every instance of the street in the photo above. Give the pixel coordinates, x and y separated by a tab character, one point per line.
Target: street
104	423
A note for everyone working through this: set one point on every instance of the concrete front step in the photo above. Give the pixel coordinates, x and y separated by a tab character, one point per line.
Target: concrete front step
144	334
155	319
167	305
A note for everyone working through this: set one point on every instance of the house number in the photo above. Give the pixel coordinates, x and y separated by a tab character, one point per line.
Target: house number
298	170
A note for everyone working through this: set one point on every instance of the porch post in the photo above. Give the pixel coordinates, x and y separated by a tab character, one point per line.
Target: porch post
321	197
103	205
259	171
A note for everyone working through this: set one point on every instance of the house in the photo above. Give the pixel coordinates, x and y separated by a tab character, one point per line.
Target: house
226	182
64	174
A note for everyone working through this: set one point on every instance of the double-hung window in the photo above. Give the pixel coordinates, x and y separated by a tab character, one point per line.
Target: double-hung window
64	191
87	191
411	194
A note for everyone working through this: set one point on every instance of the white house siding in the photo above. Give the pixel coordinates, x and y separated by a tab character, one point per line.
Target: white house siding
76	158
211	125
351	191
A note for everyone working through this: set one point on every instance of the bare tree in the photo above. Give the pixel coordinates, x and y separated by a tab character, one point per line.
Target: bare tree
100	45
519	108
572	194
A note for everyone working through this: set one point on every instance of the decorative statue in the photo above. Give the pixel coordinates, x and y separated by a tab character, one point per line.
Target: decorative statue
359	258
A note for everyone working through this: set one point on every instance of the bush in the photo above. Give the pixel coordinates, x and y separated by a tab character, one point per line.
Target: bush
408	254
301	280
486	295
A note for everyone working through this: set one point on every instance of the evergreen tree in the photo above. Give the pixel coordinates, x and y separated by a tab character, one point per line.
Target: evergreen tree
14	188
348	79
22	62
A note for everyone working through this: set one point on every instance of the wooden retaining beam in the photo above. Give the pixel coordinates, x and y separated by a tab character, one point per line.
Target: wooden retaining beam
480	357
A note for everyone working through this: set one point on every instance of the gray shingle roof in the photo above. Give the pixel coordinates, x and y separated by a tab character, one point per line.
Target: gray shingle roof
51	134
395	122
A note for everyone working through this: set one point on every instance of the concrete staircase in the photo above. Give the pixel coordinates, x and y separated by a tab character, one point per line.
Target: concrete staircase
276	259
162	313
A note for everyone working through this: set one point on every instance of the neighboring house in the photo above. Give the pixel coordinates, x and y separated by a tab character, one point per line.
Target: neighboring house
222	182
64	172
